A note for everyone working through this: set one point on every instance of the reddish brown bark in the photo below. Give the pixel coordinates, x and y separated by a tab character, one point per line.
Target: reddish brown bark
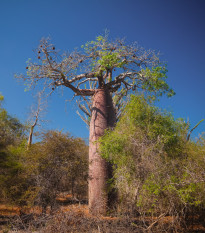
103	117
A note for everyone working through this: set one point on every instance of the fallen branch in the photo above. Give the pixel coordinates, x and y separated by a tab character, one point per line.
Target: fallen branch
155	222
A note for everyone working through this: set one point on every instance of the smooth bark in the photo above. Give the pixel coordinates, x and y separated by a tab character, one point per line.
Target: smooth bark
103	117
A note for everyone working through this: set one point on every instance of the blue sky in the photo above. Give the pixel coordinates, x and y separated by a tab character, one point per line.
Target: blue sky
176	28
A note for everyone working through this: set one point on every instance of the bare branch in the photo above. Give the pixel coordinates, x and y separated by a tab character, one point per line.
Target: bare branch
81	76
82	92
84	119
87	80
36	115
188	137
84	109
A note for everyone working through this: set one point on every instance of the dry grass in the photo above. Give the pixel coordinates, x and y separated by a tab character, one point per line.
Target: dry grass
76	218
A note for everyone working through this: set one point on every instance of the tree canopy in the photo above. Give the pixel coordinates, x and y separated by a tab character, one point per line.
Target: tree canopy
101	63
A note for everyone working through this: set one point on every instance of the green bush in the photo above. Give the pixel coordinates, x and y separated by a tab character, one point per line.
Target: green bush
156	170
54	165
12	133
35	176
59	163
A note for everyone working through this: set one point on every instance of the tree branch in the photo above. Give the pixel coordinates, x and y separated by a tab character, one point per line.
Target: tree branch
81	76
188	137
81	92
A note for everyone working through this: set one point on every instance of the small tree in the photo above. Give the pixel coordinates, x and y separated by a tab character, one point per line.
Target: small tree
49	162
36	114
108	70
11	129
36	176
11	134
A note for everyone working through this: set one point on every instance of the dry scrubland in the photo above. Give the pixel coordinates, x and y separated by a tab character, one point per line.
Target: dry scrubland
76	218
158	175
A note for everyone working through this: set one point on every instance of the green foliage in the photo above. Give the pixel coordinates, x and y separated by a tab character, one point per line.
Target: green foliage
13	181
11	134
158	127
11	130
1	99
155	81
109	60
36	176
112	56
106	58
156	169
56	164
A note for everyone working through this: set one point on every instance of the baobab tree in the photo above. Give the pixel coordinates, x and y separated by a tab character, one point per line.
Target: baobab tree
100	74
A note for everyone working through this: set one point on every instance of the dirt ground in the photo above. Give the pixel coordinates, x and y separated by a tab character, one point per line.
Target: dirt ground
75	217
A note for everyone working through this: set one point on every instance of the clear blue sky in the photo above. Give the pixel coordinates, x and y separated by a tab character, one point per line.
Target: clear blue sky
176	28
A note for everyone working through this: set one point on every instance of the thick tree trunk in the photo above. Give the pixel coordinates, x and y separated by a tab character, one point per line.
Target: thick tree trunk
103	117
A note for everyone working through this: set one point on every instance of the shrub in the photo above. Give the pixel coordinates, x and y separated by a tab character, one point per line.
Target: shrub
156	170
56	164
